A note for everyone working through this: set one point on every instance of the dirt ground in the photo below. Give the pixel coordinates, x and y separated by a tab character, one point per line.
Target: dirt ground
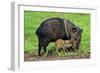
30	57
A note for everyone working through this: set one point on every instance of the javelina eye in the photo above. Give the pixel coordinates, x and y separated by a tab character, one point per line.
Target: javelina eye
74	29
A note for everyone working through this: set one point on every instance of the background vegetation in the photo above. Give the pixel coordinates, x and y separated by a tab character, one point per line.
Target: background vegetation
32	21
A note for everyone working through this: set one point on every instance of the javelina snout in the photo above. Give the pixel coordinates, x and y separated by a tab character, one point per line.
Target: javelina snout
76	35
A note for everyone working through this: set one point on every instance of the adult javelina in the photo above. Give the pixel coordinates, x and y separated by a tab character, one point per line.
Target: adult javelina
57	28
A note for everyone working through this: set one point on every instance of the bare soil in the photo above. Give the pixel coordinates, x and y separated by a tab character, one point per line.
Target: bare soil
30	57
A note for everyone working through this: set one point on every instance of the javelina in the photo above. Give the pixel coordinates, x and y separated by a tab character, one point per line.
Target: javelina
69	45
59	44
64	45
57	28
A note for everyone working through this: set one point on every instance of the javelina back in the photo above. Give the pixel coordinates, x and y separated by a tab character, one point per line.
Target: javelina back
57	28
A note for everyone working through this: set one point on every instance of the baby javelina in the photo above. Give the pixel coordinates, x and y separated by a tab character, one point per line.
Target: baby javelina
68	45
65	45
59	45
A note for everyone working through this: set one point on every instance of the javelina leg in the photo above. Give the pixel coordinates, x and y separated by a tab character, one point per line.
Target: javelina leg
75	47
45	44
78	45
39	47
66	50
44	47
39	50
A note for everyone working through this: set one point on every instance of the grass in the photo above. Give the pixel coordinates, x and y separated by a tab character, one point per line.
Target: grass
32	21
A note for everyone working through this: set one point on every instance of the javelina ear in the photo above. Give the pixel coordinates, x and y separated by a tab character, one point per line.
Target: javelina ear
74	29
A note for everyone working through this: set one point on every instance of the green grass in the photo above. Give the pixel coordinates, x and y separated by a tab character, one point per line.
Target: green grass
32	21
